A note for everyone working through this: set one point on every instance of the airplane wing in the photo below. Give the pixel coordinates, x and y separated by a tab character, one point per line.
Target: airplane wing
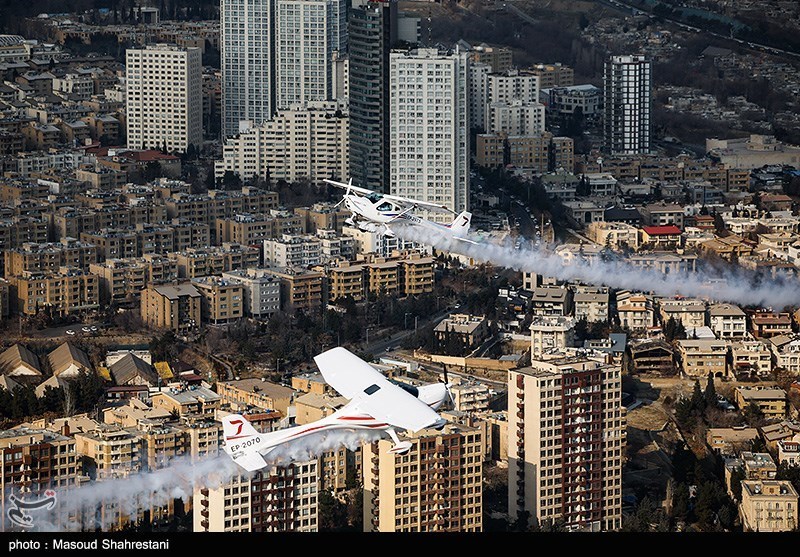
371	393
417	203
343	185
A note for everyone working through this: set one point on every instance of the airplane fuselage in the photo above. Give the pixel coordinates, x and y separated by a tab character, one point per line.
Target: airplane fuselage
385	213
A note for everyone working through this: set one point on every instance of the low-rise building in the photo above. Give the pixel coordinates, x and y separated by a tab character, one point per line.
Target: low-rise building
254	392
751	356
195	401
700	357
729	441
786	351
652	357
635	310
175	307
551	301
768	506
615	235
470	397
467	330
765	324
727	321
692	313
758	466
551	334
591	303
66	291
771	400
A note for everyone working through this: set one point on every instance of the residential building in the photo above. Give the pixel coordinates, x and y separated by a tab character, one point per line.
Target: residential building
789	451
300	289
434	487
252	229
551	334
112	452
470	397
692	313
254	392
566	443
34	461
49	257
66	291
468	330
700	357
551	301
308	33
174	307
553	75
538	153
771	400
785	430
372	32
221	300
729	441
786	352
661	238
591	303
262	293
652	357
429	146
752	357
197	401
307	141
765	324
752	152
768	506
164	97
614	235
565	101
122	280
662	214
275	499
758	466
635	310
727	321
627	86
247	39
498	58
292	251
201	262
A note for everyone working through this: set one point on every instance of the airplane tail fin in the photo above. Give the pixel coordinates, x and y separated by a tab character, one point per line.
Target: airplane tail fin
460	224
242	442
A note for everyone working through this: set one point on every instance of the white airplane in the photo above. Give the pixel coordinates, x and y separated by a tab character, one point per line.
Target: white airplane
375	404
373	210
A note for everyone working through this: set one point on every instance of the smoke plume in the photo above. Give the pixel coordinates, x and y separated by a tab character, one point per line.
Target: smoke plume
99	504
736	285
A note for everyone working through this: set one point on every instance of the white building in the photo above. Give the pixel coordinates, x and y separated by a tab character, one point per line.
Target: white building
307	34
307	141
164	97
79	86
728	321
566	100
380	243
292	251
262	292
551	334
478	93
786	349
511	86
248	77
514	118
429	137
627	86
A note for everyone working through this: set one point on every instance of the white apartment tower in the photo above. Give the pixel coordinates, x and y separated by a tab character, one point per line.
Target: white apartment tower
627	85
164	97
566	443
308	34
248	77
429	136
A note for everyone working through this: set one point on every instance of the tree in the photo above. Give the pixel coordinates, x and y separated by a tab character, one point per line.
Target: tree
710	393
674	329
680	502
737	476
698	400
231	180
753	415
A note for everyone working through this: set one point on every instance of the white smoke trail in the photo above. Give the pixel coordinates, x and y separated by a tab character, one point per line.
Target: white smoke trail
81	508
736	285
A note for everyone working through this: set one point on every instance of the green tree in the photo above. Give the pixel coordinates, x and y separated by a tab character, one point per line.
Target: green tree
332	512
698	400
737	476
674	330
710	393
753	415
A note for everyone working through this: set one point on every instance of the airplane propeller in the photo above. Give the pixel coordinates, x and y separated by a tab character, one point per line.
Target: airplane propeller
447	386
